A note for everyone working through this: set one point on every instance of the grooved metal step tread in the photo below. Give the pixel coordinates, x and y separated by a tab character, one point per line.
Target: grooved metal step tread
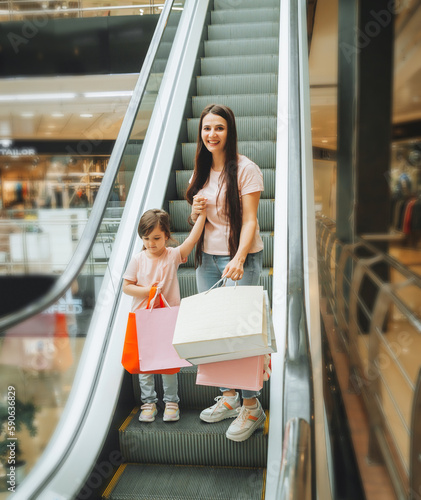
241	105
249	128
243	15
244	4
243	30
263	153
191	441
230	65
245	46
169	482
237	84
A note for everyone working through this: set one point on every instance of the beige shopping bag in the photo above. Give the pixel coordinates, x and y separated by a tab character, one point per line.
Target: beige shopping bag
222	321
246	353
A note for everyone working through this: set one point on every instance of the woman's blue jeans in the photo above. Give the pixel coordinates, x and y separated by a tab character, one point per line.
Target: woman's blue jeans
210	272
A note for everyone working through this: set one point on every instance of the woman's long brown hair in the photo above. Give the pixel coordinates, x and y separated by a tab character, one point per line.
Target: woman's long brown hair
202	168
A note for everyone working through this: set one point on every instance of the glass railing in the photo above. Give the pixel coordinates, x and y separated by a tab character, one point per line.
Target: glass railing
376	302
39	356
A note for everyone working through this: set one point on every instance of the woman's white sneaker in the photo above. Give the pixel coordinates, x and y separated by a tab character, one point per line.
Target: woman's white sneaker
246	423
225	407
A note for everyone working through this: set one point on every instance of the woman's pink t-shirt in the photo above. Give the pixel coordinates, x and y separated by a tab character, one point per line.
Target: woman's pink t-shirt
250	180
144	271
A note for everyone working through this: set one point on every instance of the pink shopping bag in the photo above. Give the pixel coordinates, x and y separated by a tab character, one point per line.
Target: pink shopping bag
155	331
245	373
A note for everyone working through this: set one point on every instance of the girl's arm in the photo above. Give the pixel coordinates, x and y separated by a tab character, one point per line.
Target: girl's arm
198	207
130	288
188	244
234	269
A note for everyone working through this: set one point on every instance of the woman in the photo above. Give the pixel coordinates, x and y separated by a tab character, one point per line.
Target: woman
227	185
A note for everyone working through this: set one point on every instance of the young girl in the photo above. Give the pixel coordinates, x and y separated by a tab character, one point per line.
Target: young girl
228	186
156	266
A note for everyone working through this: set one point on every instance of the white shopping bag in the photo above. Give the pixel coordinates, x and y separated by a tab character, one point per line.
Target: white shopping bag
246	353
227	322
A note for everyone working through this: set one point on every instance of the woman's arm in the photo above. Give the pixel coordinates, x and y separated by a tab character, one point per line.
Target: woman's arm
188	244
234	269
141	292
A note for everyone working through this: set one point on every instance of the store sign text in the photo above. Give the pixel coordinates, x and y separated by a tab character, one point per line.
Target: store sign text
17	152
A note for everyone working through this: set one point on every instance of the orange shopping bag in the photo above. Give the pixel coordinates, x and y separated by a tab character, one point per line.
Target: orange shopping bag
131	359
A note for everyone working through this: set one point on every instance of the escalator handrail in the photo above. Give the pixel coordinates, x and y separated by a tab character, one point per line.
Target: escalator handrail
93	224
294	481
292	280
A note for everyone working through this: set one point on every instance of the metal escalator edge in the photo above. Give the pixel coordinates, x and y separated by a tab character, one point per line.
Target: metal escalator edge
296	388
79	436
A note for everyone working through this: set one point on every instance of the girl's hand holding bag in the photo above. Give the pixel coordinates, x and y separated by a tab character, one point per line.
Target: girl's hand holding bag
148	343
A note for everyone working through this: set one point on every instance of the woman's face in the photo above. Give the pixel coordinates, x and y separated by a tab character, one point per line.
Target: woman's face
214	133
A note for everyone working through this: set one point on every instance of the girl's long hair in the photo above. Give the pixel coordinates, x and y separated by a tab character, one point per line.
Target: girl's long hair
202	168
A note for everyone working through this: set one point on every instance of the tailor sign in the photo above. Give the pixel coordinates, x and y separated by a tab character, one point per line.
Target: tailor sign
10	151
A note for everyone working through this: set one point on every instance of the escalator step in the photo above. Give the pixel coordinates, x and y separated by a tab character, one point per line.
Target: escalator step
242	30
249	128
263	153
196	396
239	65
183	177
166	482
237	84
242	105
243	15
190	441
246	46
164	50
244	4
180	210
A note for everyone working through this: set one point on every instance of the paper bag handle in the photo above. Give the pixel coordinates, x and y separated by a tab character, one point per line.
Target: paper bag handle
153	294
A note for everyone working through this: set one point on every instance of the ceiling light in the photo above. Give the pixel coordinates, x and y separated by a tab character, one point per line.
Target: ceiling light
27	115
325	140
116	93
86	115
57	115
37	97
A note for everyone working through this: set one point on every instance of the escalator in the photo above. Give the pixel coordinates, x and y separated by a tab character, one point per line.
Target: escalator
192	459
224	52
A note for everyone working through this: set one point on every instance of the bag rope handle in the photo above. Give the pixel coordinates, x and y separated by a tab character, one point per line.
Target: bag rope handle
224	281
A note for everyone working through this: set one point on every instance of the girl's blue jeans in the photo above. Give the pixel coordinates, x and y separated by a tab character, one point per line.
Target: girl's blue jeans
210	272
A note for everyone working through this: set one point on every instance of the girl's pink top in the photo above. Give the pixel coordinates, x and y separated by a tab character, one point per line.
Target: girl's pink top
144	271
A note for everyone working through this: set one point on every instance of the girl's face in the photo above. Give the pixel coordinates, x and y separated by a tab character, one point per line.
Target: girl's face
155	242
214	133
